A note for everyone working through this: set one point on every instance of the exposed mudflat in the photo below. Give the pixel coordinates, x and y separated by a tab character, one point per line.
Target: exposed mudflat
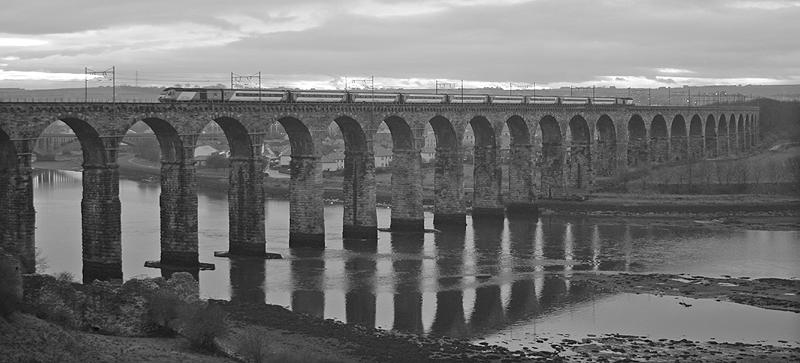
767	293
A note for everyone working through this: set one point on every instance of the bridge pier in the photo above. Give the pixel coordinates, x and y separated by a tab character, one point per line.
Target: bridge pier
660	149
487	199
360	220
100	222
521	193
17	215
246	207
407	212
579	175
306	207
695	147
551	166
448	208
178	202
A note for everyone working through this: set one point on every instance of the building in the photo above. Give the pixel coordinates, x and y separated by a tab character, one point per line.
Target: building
333	161
285	156
383	157
201	154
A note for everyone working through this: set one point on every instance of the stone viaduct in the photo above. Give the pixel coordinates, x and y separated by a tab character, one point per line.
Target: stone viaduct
555	150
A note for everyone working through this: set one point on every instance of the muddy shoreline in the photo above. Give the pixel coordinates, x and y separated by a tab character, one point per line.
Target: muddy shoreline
379	345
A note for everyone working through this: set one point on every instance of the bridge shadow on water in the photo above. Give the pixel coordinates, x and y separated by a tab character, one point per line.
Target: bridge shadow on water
460	282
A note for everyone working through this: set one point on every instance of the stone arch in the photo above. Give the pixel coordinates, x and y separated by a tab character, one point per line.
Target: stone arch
606	151
722	136
445	133
637	141
360	220
300	140
659	140
169	141
551	161
740	133
178	198
237	136
306	215
484	132
94	153
579	158
748	132
448	178
101	236
520	165
355	140
402	136
518	129
487	178
8	162
406	184
696	138
8	153
733	140
711	136
678	139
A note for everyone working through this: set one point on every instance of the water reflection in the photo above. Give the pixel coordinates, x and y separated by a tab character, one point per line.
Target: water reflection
360	267
449	317
407	270
247	280
465	282
308	279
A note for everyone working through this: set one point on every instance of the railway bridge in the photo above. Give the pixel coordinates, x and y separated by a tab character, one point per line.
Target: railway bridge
555	150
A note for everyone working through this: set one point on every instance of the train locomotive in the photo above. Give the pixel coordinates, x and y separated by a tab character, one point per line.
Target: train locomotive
176	94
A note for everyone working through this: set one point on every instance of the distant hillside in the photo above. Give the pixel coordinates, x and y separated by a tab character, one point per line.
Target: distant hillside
778	120
642	96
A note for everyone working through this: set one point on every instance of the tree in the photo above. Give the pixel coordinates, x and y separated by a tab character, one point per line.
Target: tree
217	161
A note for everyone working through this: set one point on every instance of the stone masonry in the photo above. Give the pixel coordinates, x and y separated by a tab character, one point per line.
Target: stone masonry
540	165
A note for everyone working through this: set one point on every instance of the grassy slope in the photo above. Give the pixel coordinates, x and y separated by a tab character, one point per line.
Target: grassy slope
25	338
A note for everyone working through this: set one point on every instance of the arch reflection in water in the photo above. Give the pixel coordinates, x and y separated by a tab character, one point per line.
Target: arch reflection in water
449	317
407	249
464	281
488	310
247	280
360	268
308	280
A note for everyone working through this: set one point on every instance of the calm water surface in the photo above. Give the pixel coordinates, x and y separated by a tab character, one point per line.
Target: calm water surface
499	280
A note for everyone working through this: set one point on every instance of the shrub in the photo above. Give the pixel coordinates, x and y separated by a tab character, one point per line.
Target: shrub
202	323
162	310
252	346
10	285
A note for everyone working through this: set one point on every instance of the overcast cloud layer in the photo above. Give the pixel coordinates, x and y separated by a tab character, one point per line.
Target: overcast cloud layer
308	43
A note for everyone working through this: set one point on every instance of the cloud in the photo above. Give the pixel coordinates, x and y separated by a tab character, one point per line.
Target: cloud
151	37
673	71
404	8
20	42
40	76
765	5
546	41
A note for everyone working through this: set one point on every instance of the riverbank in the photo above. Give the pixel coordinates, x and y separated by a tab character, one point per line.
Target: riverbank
277	334
748	211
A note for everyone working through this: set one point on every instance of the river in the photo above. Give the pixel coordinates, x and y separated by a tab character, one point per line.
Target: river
496	280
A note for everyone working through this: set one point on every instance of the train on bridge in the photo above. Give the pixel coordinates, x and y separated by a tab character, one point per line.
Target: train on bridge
174	94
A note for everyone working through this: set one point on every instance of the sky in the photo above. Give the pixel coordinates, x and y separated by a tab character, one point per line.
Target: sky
409	43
